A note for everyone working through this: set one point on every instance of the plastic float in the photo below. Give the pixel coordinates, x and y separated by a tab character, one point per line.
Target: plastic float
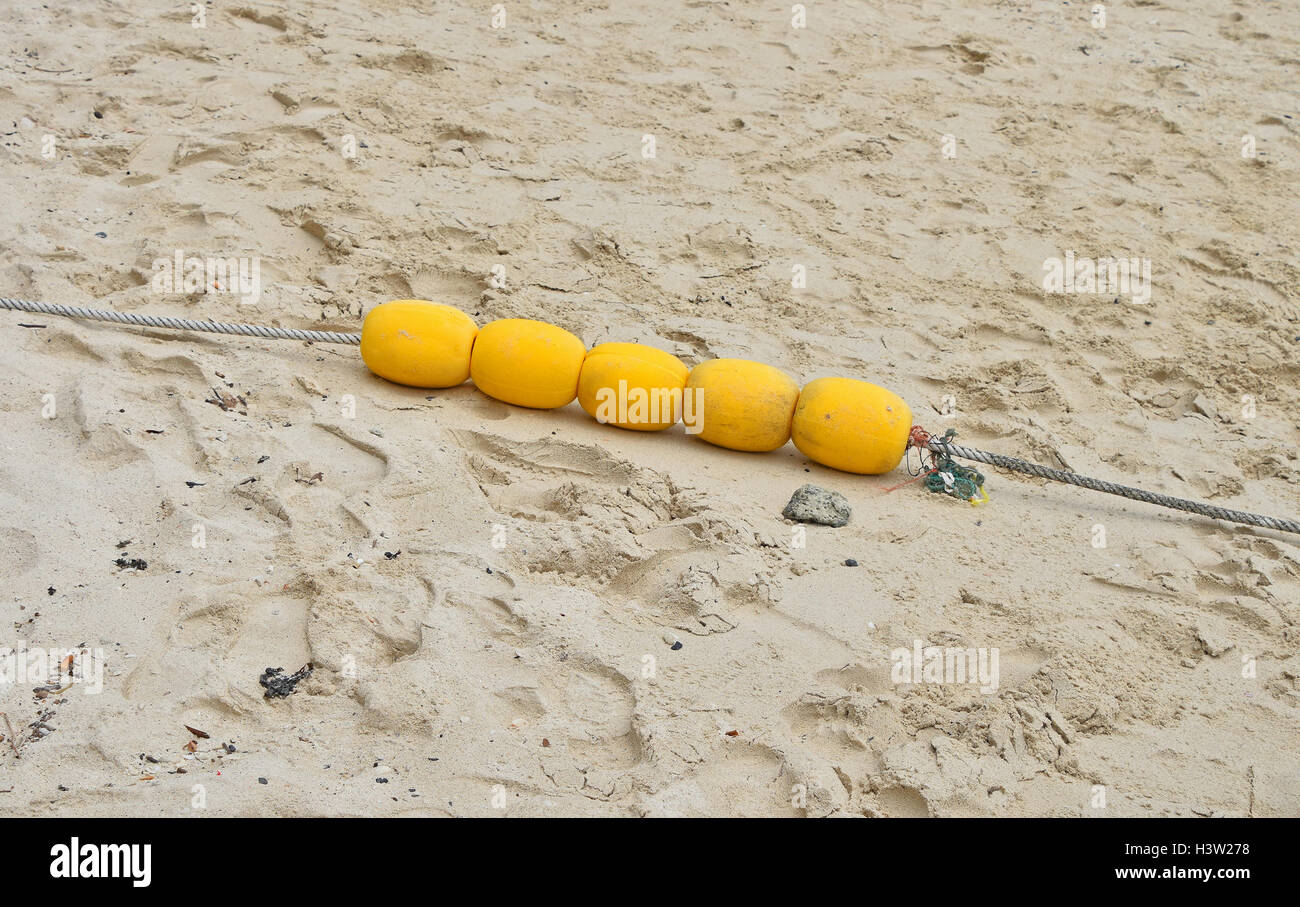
842	423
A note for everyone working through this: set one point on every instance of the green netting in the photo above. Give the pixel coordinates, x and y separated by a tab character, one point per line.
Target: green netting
951	478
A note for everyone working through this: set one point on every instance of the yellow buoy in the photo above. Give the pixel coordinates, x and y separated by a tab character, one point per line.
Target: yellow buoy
632	386
418	343
527	363
850	425
743	405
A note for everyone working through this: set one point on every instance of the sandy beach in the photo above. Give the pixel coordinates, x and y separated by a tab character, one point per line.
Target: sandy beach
527	613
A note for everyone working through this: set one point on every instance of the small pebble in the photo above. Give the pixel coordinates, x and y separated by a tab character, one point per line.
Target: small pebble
850	563
262	781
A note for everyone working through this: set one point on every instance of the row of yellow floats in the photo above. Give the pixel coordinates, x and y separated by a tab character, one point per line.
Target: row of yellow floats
843	423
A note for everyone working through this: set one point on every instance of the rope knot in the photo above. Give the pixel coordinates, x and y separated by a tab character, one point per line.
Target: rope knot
940	472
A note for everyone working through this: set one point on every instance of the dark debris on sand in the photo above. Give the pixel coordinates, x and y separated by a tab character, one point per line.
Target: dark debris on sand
279	684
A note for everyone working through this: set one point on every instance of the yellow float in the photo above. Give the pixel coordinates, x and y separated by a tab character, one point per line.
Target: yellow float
852	426
632	386
527	363
743	405
418	343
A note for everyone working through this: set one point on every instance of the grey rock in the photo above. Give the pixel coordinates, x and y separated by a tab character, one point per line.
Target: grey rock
811	504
